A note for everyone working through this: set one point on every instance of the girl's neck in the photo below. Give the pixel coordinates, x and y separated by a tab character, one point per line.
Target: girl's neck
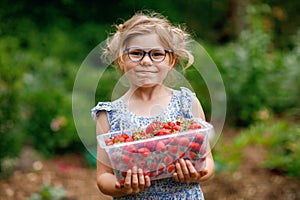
146	94
148	102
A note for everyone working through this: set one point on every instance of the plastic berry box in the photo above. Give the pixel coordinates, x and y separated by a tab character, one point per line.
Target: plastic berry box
157	155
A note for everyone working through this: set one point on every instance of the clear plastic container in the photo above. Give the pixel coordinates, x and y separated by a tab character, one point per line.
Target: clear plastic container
157	155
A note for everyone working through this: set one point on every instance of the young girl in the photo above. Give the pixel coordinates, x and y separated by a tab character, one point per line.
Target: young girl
146	48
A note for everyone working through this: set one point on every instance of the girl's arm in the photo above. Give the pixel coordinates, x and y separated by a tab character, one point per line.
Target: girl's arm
135	181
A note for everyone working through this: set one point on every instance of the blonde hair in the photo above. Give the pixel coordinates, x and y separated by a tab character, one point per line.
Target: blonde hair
172	37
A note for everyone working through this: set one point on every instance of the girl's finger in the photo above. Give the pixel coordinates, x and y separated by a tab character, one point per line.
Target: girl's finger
134	181
175	176
127	182
193	172
148	181
184	169
141	179
179	172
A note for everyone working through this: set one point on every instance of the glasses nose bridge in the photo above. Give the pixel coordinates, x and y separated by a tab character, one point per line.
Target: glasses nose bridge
148	53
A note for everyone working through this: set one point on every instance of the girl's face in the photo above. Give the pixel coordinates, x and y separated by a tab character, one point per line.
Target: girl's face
146	72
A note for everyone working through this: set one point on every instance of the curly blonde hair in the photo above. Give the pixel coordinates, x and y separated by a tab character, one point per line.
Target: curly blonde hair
172	37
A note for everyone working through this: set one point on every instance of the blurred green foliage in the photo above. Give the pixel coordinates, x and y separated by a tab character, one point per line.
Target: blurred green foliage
10	86
256	74
43	43
49	193
281	143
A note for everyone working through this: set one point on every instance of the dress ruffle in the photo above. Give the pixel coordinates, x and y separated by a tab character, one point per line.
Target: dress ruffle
100	106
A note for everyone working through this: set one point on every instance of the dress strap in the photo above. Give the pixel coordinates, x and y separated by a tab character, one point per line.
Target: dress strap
186	98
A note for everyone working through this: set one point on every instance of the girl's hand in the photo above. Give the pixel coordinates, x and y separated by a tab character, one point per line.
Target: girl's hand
135	181
186	172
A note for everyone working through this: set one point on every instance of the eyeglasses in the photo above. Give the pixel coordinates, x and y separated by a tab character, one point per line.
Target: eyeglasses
156	55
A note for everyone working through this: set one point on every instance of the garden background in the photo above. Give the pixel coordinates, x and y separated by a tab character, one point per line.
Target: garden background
254	43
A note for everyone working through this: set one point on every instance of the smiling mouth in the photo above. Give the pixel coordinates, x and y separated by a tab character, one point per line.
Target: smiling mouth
145	71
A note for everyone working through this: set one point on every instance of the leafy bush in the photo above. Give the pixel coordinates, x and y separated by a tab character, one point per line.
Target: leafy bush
280	139
10	84
48	121
256	75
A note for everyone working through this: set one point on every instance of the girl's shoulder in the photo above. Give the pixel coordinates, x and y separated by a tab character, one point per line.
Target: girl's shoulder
106	106
184	93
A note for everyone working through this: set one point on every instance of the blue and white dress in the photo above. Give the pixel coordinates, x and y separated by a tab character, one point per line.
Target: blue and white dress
121	118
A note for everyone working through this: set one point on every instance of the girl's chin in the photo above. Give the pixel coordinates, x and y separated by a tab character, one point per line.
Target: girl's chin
148	84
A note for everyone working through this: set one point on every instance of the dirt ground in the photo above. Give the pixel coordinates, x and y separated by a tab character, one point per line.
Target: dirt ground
73	173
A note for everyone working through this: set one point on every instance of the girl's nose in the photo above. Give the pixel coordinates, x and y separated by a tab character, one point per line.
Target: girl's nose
146	60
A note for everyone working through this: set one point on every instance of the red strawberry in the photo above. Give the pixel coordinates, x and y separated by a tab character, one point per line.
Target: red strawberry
171	168
147	172
118	139
114	156
153	127
195	156
166	126
183	141
161	167
129	139
124	135
173	149
194	146
122	181
109	141
174	140
150	145
162	131
199	137
176	128
160	146
194	125
171	124
124	173
145	152
168	159
192	155
130	148
126	159
139	135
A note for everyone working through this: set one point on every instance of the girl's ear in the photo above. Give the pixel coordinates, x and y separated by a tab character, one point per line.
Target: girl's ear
120	62
172	61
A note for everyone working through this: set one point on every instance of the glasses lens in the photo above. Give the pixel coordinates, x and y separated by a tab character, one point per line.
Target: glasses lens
135	54
157	55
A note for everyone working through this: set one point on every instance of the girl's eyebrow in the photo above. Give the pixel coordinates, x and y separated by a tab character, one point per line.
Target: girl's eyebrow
148	48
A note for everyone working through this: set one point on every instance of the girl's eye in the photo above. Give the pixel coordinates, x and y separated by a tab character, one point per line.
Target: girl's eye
158	54
136	53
